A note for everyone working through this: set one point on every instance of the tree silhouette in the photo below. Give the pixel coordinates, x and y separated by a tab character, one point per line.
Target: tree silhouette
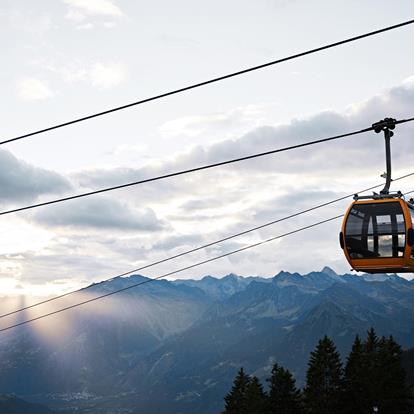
235	400
392	392
284	397
324	384
355	393
373	378
256	399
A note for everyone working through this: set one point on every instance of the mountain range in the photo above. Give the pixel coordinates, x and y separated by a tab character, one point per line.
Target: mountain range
174	346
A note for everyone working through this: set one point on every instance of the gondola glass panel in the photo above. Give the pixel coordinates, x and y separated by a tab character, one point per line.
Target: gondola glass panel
375	230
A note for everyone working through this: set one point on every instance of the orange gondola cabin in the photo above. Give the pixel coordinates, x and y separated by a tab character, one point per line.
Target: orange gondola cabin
377	235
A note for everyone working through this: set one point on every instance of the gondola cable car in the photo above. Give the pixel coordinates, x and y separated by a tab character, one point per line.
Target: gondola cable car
377	231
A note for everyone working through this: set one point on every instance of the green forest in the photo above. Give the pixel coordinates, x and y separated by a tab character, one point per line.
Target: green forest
372	380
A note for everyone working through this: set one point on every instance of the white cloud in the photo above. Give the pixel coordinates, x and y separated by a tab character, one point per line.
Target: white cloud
123	150
409	80
109	25
217	126
29	21
105	76
100	213
19	236
86	26
20	181
101	75
75	16
92	7
32	89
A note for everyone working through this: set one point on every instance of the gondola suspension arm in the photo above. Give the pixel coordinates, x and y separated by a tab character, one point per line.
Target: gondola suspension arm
386	125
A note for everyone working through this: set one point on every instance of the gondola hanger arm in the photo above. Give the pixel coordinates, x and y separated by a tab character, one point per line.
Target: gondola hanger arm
386	125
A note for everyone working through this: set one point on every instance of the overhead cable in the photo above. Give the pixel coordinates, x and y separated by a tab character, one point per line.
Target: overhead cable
210	81
195	169
182	172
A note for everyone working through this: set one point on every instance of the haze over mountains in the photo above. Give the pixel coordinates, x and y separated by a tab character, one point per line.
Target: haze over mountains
175	346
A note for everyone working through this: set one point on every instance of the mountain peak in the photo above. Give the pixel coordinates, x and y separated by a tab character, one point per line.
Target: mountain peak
328	271
231	276
209	278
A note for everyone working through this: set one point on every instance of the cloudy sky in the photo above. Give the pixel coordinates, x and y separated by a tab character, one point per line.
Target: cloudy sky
67	58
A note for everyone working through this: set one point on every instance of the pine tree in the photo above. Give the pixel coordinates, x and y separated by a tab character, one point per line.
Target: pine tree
371	371
355	393
256	399
284	397
235	400
392	392
324	384
374	377
371	343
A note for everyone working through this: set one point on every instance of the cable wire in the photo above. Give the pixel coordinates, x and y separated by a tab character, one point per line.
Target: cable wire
195	249
171	273
210	81
191	170
182	172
